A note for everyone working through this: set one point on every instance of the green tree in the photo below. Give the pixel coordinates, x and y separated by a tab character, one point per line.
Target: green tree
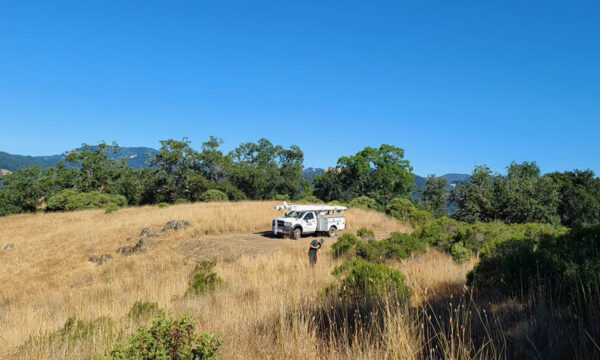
434	195
382	174
579	193
475	199
20	191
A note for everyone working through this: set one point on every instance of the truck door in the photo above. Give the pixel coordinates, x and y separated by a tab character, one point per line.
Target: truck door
309	223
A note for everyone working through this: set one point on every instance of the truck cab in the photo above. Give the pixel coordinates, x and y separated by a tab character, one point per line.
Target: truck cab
308	219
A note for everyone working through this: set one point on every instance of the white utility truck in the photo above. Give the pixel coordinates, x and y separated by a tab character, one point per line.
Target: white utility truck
308	219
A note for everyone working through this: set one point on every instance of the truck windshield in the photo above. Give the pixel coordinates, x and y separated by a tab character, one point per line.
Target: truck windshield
294	214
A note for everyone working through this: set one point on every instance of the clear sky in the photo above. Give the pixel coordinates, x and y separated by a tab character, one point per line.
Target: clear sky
454	83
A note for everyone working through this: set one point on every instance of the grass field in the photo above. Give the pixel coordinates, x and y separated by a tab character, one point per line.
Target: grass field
264	310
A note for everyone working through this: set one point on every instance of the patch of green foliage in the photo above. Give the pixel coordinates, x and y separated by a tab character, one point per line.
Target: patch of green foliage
343	244
280	197
459	253
162	205
566	264
111	207
363	202
70	199
213	195
360	279
365	234
397	246
167	339
143	310
203	279
478	237
181	201
406	210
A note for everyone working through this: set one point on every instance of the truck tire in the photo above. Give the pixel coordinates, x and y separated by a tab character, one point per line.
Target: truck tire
331	232
297	233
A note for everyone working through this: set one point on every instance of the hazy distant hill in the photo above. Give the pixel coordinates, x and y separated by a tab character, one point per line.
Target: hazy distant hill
136	158
453	179
310	173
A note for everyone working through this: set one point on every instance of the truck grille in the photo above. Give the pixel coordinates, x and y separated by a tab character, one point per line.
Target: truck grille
280	223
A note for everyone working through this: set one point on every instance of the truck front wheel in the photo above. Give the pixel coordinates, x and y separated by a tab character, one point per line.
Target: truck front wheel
331	231
296	233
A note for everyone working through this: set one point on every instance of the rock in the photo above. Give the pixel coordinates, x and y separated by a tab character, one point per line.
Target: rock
100	259
175	225
139	247
149	232
9	246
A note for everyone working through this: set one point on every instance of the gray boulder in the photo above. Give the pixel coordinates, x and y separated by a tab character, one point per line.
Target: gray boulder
149	232
175	225
9	246
139	247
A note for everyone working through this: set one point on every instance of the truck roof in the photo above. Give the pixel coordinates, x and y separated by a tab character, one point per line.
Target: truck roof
309	207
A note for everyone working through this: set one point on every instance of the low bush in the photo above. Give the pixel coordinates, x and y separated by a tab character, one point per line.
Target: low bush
405	210
213	195
181	201
70	199
143	310
363	202
343	245
309	199
162	205
280	197
110	207
398	246
167	339
459	253
203	279
363	280
365	234
566	264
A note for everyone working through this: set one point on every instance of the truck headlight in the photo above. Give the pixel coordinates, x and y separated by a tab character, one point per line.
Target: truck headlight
287	224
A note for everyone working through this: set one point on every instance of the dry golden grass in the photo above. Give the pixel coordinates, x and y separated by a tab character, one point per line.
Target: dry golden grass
47	278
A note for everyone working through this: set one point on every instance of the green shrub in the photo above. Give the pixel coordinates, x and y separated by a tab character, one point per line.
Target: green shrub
162	205
213	195
361	280
566	263
167	339
399	246
143	310
460	254
309	199
181	201
110	207
363	202
365	234
70	199
400	208
203	279
343	244
280	197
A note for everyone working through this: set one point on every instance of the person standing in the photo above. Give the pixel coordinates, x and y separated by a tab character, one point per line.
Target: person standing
314	251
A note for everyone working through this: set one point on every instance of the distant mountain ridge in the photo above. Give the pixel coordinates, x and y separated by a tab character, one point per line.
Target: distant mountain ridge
137	157
454	179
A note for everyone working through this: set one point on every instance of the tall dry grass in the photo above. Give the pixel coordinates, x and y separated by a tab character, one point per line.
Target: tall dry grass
47	278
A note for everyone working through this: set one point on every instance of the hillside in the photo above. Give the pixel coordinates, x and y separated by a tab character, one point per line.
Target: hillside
47	278
136	158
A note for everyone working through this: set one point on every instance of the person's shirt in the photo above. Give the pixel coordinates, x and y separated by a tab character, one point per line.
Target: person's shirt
315	245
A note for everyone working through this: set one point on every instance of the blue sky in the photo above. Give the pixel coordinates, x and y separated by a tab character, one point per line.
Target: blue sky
454	83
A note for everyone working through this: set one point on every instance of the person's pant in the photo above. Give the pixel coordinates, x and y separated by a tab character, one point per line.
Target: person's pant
312	258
